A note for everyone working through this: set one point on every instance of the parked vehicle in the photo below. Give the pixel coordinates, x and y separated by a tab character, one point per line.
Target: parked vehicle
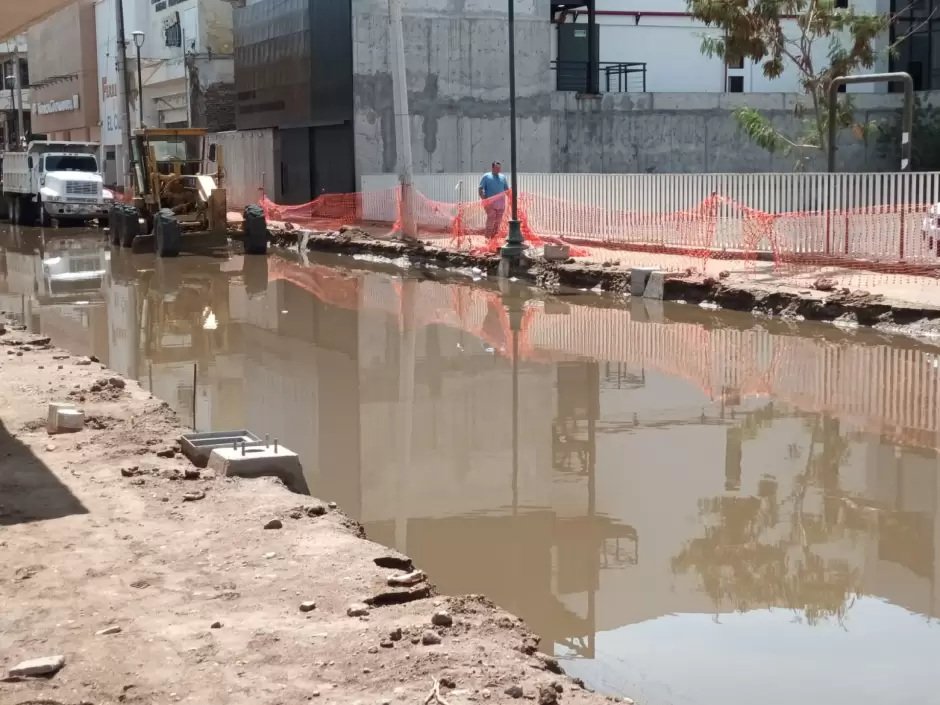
57	181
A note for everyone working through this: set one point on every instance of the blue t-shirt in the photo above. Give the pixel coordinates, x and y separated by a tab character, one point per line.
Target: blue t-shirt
493	184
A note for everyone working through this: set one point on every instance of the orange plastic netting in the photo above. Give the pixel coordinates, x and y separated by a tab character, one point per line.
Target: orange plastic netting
715	234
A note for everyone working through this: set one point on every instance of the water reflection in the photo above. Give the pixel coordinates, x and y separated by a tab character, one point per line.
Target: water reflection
684	506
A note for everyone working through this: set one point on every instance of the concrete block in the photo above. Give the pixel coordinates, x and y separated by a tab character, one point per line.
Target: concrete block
44	666
556	253
52	414
638	279
654	286
260	461
64	418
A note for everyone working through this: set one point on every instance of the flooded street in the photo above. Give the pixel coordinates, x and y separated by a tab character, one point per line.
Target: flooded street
689	507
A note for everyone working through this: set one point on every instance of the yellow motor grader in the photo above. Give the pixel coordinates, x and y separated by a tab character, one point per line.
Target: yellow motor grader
174	190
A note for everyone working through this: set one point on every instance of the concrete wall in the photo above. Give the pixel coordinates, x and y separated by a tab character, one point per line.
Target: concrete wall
692	133
457	65
455	52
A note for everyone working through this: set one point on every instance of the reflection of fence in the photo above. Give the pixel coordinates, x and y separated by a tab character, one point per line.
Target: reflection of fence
890	390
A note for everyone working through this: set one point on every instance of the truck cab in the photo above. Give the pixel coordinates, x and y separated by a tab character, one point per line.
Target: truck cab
55	181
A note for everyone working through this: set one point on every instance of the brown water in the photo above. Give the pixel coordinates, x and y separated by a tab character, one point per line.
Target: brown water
690	507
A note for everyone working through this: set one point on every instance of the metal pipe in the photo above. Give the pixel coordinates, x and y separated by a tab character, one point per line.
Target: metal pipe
512	250
140	91
907	120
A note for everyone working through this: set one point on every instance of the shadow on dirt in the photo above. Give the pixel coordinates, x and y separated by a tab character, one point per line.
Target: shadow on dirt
29	490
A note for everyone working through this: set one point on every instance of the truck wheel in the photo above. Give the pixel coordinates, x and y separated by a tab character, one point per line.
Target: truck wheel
255	231
44	220
166	233
130	227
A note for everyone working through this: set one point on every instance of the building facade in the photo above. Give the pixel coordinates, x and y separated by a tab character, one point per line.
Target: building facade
186	68
14	104
63	72
660	39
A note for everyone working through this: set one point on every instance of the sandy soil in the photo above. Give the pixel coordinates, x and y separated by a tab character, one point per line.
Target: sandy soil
160	584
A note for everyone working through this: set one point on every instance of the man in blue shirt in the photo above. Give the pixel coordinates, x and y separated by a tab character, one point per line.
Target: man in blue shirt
493	187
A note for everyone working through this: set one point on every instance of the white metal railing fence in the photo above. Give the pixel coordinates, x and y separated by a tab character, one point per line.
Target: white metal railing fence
866	215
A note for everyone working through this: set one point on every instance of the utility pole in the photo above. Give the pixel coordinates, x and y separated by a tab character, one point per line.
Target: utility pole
402	119
124	94
19	89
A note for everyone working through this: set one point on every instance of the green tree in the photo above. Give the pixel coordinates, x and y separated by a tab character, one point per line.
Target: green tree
762	31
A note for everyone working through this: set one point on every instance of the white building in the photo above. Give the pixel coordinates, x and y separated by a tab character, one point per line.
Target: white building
187	67
662	35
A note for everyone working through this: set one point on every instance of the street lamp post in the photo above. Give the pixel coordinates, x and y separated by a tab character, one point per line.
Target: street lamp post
139	42
512	250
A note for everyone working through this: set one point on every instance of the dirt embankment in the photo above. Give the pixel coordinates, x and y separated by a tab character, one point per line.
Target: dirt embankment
824	302
158	583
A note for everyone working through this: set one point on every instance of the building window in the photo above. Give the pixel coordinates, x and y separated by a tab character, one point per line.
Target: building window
736	84
24	73
918	21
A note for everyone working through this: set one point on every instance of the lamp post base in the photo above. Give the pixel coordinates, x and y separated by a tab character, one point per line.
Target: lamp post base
511	252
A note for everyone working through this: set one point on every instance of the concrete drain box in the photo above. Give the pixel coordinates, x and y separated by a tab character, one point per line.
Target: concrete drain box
261	460
199	446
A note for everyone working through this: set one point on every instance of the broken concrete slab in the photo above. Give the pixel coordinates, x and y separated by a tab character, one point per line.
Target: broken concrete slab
655	284
45	666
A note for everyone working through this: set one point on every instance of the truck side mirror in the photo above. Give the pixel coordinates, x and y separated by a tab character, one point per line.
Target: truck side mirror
212	152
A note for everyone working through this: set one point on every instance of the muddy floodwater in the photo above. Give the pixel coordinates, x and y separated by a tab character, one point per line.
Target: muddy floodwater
690	507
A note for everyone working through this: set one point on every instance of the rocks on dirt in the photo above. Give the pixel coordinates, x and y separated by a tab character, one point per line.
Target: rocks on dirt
93	358
448	682
83	362
395	634
276	524
192	474
117	382
166	453
194	496
108	630
407	580
824	284
308	606
430	637
386	644
357	609
550	663
514	691
331	505
45	666
547	695
442	618
394	563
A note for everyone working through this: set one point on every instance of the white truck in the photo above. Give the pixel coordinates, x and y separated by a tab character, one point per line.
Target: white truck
55	181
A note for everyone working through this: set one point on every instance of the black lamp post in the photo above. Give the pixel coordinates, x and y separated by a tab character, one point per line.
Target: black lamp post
514	246
139	42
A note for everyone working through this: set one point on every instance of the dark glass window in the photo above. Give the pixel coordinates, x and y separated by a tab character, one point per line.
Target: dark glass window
919	53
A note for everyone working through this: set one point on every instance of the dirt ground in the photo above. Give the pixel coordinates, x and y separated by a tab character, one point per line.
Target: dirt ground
161	584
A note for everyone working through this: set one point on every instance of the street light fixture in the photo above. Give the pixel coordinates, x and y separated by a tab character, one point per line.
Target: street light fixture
139	42
512	250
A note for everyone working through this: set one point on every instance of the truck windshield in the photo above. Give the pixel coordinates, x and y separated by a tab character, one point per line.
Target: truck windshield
71	162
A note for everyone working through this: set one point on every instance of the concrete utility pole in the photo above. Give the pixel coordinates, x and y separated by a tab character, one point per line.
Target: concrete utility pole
402	119
124	94
19	89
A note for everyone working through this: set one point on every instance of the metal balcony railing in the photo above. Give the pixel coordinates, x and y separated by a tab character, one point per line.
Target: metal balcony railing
613	76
